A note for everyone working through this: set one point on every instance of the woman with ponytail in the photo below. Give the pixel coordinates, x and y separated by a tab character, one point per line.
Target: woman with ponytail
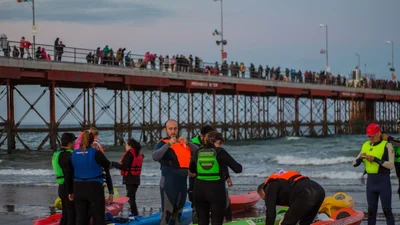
131	168
86	181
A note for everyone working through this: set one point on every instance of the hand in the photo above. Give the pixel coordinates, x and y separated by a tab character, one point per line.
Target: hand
229	182
110	198
385	137
370	158
71	197
363	156
172	140
191	174
183	140
113	164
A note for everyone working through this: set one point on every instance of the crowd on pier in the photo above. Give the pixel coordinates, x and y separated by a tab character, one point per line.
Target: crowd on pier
181	63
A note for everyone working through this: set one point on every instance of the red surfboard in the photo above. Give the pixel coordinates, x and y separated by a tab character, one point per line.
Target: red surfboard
243	202
114	209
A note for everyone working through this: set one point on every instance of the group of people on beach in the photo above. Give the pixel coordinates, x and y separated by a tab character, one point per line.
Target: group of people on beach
82	171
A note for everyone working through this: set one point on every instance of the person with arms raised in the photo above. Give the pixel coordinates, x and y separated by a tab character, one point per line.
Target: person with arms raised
174	157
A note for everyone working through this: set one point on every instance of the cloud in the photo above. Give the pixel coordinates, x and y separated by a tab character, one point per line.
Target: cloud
84	11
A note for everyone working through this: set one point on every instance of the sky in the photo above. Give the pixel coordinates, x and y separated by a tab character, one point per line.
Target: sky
275	33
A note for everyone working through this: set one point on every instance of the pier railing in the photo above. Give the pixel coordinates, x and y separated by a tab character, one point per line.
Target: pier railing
135	61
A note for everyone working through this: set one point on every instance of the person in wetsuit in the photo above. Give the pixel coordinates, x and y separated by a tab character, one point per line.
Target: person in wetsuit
85	183
131	169
209	164
378	158
199	141
174	156
396	143
60	164
289	188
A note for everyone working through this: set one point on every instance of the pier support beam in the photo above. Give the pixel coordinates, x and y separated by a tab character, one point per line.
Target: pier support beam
53	124
10	117
325	118
129	112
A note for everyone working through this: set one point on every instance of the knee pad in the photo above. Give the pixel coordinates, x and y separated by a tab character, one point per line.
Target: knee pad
387	212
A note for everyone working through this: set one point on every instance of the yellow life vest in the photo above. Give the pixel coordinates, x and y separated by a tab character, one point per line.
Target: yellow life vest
375	151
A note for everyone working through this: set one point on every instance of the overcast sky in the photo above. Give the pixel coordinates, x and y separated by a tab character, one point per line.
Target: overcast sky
282	33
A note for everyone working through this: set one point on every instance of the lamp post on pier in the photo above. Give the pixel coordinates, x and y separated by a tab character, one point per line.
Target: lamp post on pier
392	66
34	29
222	42
326	50
358	64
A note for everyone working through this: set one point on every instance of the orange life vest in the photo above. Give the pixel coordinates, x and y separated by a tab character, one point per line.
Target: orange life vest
136	166
290	175
182	153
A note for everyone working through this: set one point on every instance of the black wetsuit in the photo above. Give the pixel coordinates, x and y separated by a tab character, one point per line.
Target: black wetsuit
228	210
304	199
131	182
89	195
210	196
68	211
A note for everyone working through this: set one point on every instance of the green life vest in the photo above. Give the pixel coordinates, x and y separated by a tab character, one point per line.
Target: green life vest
207	165
375	151
56	166
397	154
196	140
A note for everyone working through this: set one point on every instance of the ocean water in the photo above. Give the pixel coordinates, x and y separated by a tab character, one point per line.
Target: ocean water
27	181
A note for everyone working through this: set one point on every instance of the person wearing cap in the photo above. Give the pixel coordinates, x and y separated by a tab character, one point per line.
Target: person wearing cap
378	158
396	143
208	164
60	162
